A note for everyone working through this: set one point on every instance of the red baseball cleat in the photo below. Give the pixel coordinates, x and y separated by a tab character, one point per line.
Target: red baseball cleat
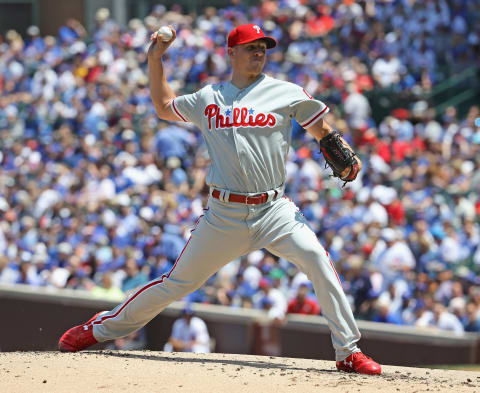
359	363
78	337
95	317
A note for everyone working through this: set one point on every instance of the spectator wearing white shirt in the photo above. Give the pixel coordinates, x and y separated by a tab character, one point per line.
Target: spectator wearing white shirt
356	107
397	256
441	319
386	69
445	320
189	334
8	275
252	274
450	247
271	299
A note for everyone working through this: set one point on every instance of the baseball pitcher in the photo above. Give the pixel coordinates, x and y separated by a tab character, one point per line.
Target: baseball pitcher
246	123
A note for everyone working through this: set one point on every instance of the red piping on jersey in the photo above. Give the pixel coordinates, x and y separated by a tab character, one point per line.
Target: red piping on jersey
148	285
196	224
315	117
142	289
177	112
308	95
333	267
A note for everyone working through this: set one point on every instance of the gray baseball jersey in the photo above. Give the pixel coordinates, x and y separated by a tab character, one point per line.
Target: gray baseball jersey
248	134
248	131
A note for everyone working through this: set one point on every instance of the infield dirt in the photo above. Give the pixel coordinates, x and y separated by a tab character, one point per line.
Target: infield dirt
144	371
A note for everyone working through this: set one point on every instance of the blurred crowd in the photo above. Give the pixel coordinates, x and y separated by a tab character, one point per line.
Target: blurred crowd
98	194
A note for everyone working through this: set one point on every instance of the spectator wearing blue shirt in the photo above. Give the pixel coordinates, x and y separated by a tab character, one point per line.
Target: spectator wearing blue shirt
385	314
134	277
472	322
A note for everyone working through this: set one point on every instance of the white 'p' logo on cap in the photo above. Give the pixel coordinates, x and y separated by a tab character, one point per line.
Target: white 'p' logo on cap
257	28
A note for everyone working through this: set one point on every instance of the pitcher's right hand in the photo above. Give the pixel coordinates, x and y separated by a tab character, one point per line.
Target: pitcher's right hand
158	46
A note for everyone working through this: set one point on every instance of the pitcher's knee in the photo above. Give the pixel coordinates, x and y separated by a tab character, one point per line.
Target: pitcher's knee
314	256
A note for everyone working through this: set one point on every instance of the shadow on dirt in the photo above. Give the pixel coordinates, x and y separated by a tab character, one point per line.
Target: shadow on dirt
208	360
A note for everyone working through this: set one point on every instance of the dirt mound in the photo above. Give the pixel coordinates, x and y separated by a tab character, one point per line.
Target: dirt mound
144	371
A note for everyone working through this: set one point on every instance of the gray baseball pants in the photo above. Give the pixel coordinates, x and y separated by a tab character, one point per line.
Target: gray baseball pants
225	232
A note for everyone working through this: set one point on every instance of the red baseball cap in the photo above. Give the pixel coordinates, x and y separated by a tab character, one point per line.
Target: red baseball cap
244	34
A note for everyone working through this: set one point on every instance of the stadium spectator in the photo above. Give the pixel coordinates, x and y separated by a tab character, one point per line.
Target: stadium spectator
396	257
107	290
386	69
472	320
357	108
270	299
303	303
189	334
442	319
134	277
384	312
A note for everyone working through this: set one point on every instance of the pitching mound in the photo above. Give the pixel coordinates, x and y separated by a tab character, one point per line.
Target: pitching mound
144	371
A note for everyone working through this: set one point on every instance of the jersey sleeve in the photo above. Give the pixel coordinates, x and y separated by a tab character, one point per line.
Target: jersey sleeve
304	108
186	108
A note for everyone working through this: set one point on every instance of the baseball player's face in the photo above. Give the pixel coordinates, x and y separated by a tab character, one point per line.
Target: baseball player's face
249	58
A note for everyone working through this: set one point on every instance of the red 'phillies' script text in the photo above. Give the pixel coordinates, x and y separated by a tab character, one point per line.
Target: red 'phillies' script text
240	118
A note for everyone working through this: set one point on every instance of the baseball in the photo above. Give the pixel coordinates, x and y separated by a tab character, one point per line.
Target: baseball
165	33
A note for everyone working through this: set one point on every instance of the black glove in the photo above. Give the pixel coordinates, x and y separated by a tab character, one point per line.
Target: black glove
339	156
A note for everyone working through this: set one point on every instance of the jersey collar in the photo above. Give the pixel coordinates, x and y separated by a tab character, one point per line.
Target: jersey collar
249	87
